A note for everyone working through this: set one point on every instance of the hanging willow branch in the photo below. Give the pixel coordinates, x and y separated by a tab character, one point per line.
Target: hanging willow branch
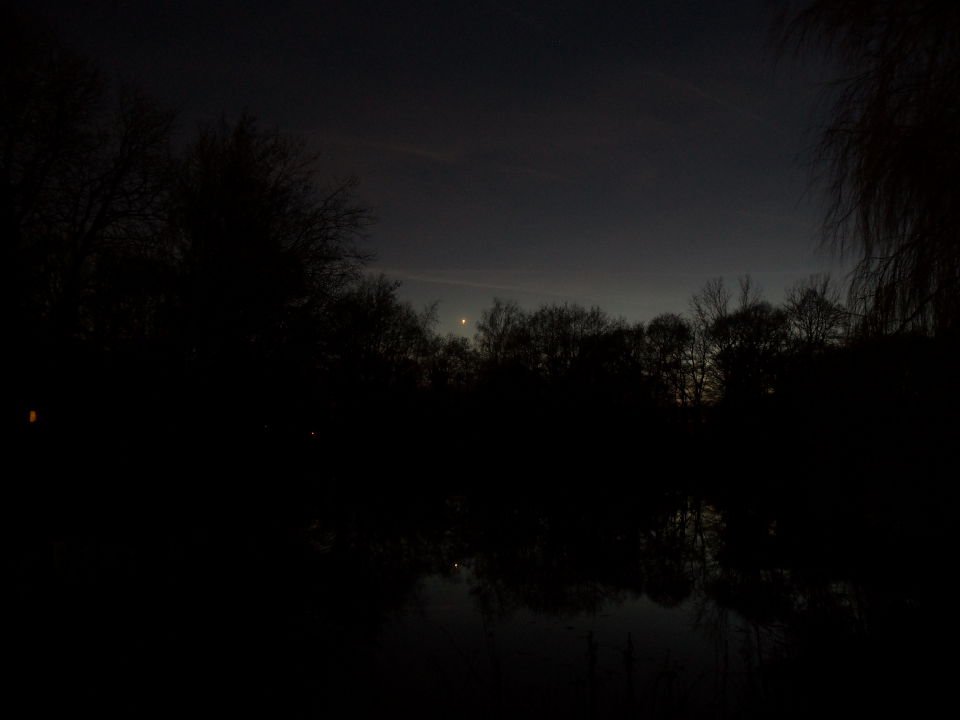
892	153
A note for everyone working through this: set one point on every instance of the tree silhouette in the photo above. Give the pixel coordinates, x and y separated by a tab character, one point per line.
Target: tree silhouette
816	317
735	354
501	333
506	363
380	343
892	152
565	339
263	251
83	180
453	364
668	339
750	343
708	307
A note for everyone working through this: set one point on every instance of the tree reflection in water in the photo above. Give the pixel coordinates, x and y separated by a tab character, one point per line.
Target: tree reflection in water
660	604
791	614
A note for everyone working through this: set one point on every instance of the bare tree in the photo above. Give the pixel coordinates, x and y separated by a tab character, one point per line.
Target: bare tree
749	345
501	333
707	308
816	316
668	338
453	364
83	181
892	154
83	177
381	342
564	336
259	239
735	352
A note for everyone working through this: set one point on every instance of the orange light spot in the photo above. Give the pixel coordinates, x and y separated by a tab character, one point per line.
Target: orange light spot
32	417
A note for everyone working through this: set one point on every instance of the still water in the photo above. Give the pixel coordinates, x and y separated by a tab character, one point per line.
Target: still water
657	604
625	652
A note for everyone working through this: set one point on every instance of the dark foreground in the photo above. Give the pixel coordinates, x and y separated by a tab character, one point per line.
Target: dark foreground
313	576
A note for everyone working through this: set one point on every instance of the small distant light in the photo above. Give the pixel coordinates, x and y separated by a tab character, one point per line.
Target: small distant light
32	417
456	565
313	433
463	321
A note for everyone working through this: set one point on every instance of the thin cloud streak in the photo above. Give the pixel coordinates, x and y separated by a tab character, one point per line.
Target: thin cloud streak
578	286
443	157
434	279
685	86
440	157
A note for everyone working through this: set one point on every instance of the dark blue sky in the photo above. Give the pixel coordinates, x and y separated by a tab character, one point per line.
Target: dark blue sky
610	153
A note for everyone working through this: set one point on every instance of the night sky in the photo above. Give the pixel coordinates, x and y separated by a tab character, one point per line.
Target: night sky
608	153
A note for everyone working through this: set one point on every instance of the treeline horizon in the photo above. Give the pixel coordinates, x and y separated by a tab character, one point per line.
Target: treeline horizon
222	284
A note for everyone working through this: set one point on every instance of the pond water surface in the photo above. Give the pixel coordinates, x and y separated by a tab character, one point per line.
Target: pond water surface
656	604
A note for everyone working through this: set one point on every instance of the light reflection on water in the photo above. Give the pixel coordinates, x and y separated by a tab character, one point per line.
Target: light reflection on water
627	651
652	608
671	610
